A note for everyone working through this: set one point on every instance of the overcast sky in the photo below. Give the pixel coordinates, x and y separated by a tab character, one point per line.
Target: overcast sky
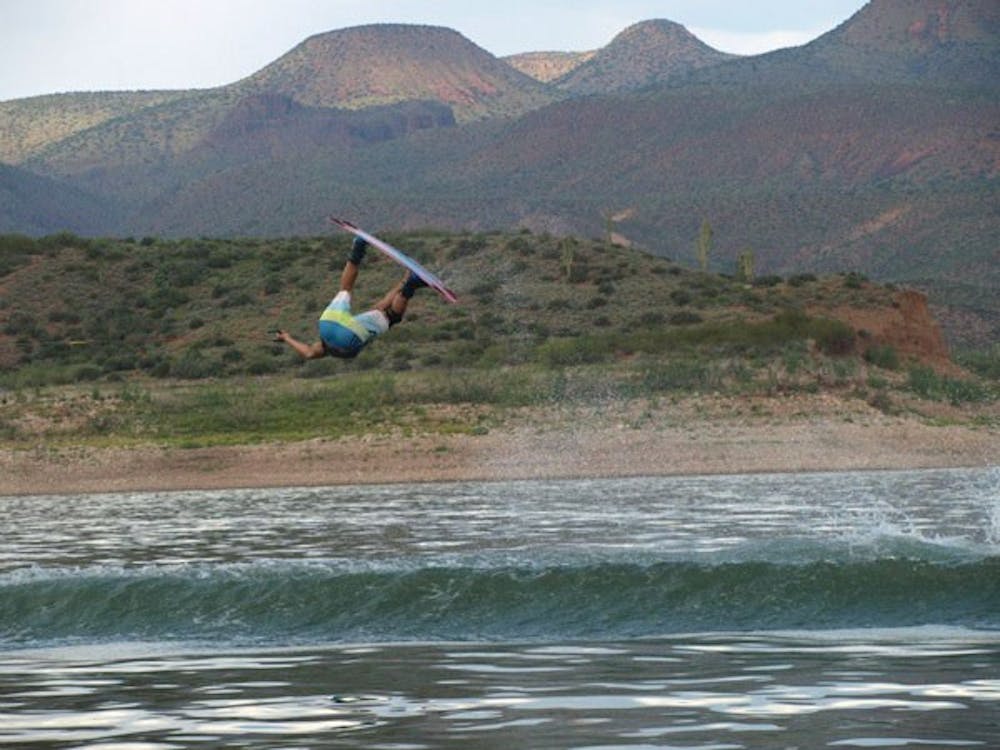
49	46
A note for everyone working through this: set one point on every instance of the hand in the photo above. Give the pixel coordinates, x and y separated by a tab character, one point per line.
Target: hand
280	335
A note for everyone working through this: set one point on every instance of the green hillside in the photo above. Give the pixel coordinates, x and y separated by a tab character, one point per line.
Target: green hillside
37	205
29	126
166	341
75	308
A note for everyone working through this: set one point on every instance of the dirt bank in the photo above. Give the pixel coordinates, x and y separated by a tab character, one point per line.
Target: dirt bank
696	436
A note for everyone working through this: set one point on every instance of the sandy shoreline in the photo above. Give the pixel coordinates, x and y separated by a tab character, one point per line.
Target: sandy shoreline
790	435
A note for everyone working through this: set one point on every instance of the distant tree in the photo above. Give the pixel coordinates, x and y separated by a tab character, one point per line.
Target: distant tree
704	244
744	265
568	257
609	226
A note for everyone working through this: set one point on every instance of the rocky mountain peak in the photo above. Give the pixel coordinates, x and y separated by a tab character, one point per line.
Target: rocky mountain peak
644	54
387	63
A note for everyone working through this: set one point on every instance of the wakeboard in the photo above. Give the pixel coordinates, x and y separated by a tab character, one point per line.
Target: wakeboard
399	256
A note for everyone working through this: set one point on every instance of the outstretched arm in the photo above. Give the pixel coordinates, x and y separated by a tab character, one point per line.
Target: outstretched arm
306	351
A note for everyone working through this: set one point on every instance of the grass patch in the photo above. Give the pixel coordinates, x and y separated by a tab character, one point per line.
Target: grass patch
927	384
985	363
253	411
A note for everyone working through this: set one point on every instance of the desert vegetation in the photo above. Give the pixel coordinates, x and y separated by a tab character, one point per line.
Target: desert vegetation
142	339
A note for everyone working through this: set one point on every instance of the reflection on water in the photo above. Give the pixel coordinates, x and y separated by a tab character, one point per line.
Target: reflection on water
427	523
893	689
640	613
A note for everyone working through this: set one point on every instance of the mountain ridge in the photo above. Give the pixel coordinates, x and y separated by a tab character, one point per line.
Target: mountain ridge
386	63
931	42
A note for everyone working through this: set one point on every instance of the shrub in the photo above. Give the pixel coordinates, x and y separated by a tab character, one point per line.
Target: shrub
680	297
801	279
793	357
685	318
62	240
64	316
262	366
855	280
881	401
579	272
793	321
86	373
467	246
984	363
187	274
710	292
833	336
272	284
240	299
519	245
21	324
193	365
15	251
884	356
575	351
684	375
220	258
485	289
120	362
17	244
874	381
767	281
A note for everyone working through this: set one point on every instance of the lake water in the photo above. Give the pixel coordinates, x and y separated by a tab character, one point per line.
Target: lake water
774	611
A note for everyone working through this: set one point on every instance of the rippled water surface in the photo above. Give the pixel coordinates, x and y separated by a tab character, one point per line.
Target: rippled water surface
835	610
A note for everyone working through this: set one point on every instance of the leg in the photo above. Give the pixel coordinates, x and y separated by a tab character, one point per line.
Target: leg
397	308
395	302
385	303
353	265
348	277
